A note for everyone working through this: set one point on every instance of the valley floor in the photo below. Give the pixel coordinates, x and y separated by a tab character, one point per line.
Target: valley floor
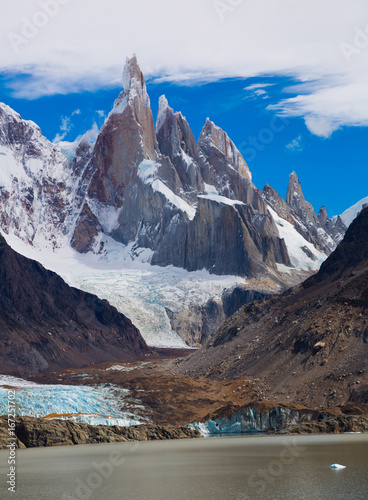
149	391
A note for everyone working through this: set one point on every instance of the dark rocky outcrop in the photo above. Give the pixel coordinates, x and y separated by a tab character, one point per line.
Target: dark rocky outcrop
334	425
236	297
199	323
86	232
46	325
36	432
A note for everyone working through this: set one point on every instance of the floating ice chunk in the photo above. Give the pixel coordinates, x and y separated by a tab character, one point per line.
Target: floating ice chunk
337	466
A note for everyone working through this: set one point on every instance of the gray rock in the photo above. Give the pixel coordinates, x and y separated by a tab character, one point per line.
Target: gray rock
36	432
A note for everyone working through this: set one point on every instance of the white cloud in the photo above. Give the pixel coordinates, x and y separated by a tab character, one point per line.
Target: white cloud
66	126
84	47
340	103
101	113
92	134
295	145
255	86
257	90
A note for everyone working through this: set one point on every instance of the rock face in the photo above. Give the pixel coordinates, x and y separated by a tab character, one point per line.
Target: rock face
310	344
47	325
199	323
236	297
196	325
36	182
334	425
36	432
127	138
192	204
322	232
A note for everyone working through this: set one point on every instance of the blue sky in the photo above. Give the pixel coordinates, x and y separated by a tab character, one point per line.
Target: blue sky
243	63
333	170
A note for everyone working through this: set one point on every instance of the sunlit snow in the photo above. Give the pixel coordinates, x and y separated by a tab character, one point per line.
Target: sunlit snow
295	243
140	291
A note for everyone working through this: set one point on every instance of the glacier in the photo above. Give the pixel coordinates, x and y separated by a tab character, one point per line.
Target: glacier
248	420
95	405
123	276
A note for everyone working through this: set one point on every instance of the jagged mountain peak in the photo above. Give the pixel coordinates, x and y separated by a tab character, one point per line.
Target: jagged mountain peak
296	200
294	193
175	137
163	110
322	215
126	139
132	74
7	110
10	121
135	93
213	136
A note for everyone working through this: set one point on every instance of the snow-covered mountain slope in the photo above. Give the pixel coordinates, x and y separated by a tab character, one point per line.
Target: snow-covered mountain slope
142	291
303	254
38	184
351	213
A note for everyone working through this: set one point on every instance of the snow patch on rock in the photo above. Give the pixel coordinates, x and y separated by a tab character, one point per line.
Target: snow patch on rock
295	243
351	213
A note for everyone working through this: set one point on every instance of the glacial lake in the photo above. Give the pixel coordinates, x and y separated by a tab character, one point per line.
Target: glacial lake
225	468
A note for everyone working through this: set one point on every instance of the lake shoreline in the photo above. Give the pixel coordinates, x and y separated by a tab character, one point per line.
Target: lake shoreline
33	432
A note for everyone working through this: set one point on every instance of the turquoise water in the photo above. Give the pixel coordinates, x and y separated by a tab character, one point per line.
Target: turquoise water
234	468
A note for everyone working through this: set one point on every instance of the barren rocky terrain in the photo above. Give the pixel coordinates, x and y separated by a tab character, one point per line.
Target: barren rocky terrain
308	345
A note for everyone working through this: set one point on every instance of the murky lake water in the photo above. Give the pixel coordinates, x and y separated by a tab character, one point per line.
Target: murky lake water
234	468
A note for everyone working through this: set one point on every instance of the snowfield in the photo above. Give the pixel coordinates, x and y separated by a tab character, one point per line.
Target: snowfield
295	243
136	288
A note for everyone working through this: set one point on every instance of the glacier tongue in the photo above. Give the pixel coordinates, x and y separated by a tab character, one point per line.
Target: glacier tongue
137	289
95	405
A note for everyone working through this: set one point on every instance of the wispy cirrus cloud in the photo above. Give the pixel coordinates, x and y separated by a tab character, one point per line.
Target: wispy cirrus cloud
341	103
295	145
258	90
66	126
